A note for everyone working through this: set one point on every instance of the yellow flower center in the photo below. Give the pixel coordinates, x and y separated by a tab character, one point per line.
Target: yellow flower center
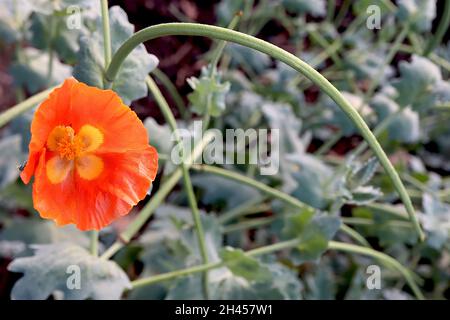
74	151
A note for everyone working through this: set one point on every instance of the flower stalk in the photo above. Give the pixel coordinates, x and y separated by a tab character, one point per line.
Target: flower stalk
194	29
288	244
170	119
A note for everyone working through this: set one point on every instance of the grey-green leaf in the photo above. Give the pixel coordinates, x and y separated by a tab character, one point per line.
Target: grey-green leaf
209	92
417	81
436	221
37	231
34	74
70	269
313	231
362	174
244	266
315	8
10	158
129	82
419	13
364	195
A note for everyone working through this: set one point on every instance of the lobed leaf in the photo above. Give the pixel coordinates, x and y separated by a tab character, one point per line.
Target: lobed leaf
91	64
243	266
314	231
51	267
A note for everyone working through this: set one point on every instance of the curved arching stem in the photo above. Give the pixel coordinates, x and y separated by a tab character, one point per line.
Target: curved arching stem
194	29
436	39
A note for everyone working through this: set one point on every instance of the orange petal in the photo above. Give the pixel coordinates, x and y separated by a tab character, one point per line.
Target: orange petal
129	176
57	169
90	137
75	200
103	109
94	204
97	208
89	166
54	201
51	113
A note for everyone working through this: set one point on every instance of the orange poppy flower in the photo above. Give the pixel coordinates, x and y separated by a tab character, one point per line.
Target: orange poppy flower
90	157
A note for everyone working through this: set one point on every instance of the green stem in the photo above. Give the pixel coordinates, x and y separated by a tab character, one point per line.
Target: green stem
194	29
443	107
379	129
253	183
170	119
23	106
389	5
418	184
94	243
213	67
440	31
325	147
221	45
172	90
213	265
387	61
321	41
240	210
415	42
283	196
271	192
342	12
174	274
333	48
156	200
261	222
107	56
51	52
389	261
388	209
369	222
355	235
332	245
197	223
106	32
249	224
331	7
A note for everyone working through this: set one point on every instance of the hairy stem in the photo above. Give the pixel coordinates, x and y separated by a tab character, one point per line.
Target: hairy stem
106	32
389	261
213	67
355	235
387	61
221	45
23	106
274	193
204	267
94	243
51	52
240	210
253	183
194	29
332	245
440	31
172	90
170	119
